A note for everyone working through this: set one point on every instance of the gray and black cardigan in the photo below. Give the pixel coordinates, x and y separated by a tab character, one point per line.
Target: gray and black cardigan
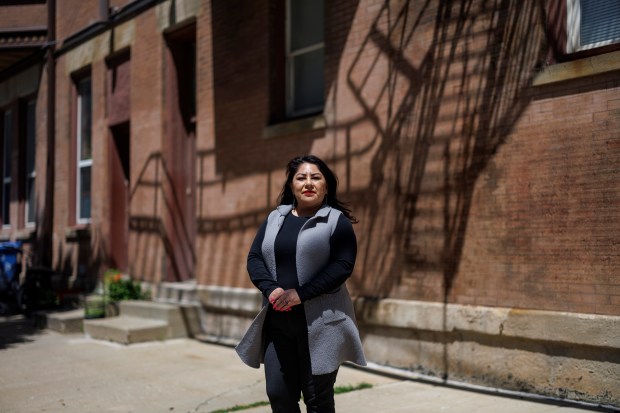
333	337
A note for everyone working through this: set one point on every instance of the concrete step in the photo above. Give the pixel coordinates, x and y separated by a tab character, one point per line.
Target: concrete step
141	321
180	292
171	315
65	322
126	329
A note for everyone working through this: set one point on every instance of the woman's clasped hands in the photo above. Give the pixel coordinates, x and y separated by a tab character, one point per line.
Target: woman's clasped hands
284	300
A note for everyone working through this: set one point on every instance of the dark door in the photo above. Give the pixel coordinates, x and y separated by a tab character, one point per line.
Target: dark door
180	156
119	153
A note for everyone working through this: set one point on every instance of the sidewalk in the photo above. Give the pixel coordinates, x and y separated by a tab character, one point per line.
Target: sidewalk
42	371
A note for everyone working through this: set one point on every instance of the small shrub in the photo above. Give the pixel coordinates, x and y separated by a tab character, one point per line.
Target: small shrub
119	287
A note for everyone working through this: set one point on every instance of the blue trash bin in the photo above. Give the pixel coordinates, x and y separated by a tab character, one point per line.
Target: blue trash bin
10	254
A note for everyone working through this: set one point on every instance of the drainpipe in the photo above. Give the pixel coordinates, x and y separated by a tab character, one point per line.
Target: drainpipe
104	10
47	226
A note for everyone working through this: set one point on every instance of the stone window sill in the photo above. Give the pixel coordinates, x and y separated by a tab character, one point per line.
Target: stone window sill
575	69
26	234
293	127
77	232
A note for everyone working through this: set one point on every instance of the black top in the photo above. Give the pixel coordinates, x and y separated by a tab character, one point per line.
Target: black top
284	249
343	250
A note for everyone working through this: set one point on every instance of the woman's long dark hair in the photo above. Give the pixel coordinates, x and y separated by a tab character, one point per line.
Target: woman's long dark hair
286	195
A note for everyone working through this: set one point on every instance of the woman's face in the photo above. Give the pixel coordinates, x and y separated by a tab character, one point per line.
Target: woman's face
309	186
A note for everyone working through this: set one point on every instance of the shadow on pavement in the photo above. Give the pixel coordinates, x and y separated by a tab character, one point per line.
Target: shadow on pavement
16	330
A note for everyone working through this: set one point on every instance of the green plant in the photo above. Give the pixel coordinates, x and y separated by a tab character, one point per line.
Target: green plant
94	312
94	306
119	287
346	389
238	407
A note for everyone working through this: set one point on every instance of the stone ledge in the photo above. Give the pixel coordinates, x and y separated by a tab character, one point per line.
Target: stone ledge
180	292
556	354
244	301
294	127
126	329
65	322
171	315
574	328
575	69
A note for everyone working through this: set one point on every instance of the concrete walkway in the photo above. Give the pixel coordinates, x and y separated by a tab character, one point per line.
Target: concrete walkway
43	371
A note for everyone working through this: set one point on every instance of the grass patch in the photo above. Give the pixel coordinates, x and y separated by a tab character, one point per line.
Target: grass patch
349	388
238	407
337	390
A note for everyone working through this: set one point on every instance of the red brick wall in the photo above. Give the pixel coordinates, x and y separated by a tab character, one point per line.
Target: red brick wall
63	142
73	16
148	250
19	16
472	186
147	174
488	191
546	207
119	3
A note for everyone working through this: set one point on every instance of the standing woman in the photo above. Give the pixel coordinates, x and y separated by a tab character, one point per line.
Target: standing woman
300	258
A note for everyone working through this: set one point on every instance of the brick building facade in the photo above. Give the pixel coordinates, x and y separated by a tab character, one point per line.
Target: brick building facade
480	157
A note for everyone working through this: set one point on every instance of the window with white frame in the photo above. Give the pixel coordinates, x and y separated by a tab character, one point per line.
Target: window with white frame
30	171
84	150
7	146
591	24
305	92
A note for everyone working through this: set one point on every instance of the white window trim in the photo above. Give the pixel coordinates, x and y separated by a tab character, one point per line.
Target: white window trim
573	29
290	68
31	175
81	163
6	180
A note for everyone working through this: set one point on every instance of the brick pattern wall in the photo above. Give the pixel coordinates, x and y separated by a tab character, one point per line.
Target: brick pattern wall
489	191
73	16
64	100
146	174
439	90
118	4
471	185
20	16
550	231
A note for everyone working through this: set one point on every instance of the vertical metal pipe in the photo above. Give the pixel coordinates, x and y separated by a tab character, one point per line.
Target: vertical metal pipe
104	10
47	225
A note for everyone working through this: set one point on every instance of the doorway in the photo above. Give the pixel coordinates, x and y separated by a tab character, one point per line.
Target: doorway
180	155
119	156
119	150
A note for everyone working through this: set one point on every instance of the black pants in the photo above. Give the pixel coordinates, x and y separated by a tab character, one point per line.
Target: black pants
287	366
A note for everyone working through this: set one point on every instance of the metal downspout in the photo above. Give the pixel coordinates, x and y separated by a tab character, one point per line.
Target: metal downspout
47	229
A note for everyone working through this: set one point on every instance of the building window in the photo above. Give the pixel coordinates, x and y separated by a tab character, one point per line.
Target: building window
7	146
84	152
591	24
30	171
305	85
